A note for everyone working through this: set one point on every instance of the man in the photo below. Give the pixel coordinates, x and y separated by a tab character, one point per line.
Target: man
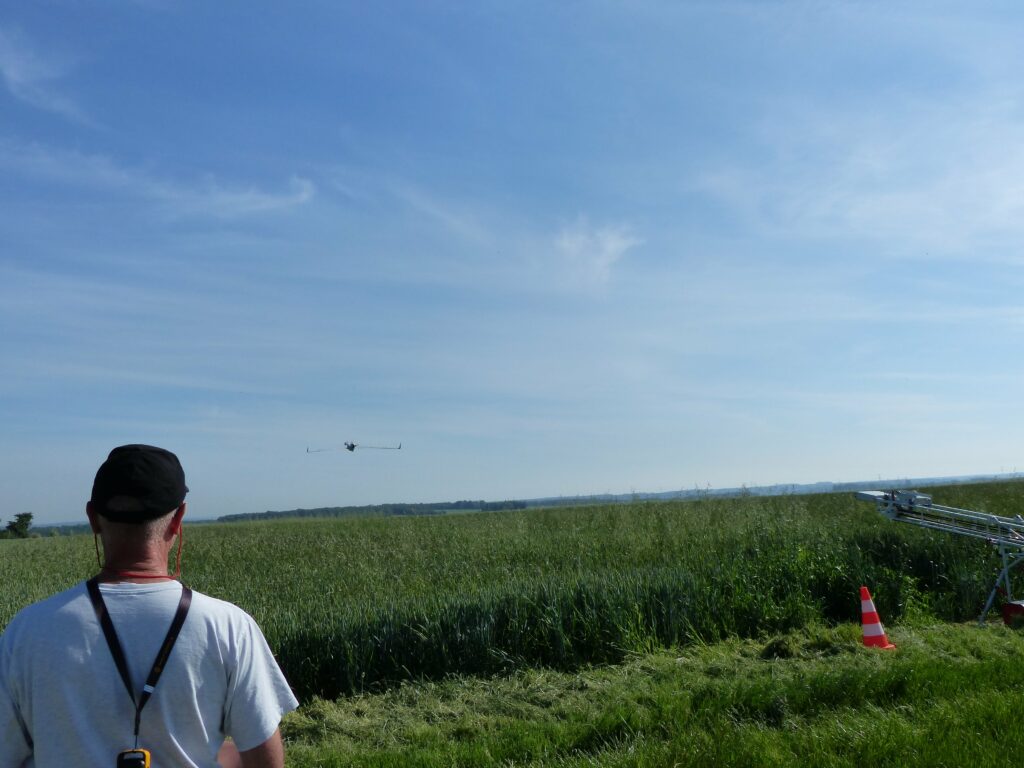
66	669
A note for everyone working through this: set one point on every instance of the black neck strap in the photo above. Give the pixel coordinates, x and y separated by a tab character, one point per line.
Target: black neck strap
116	651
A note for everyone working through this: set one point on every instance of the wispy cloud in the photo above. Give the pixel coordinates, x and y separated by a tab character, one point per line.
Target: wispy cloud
591	252
468	222
31	77
946	177
454	218
208	197
212	197
491	243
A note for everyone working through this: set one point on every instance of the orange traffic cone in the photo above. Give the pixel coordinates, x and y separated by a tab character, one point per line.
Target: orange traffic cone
874	632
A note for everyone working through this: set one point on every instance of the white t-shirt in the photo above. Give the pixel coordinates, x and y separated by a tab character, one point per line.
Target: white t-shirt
63	703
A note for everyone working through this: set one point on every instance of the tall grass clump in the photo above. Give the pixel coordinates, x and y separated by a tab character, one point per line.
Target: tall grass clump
355	605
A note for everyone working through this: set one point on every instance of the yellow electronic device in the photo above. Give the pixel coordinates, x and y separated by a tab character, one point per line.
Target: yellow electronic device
133	758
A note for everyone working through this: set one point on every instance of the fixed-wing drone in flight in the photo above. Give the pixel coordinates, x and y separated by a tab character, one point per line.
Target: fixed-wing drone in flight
351	447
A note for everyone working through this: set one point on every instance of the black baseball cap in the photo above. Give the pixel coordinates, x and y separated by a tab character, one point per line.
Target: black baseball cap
151	476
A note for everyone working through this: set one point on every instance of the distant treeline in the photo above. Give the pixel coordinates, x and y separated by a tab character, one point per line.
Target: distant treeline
380	510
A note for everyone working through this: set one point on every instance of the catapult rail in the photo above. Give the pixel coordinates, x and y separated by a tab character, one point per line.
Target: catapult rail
917	509
1006	533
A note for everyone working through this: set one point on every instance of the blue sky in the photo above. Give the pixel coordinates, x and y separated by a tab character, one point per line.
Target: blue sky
551	248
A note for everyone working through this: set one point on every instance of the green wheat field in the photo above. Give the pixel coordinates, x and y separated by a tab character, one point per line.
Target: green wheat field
699	633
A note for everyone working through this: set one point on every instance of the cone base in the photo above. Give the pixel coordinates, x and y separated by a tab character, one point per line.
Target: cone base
882	643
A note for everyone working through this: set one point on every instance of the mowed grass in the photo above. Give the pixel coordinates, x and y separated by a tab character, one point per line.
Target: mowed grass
813	697
352	606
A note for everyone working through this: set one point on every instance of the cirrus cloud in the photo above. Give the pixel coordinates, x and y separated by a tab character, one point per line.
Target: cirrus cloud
207	198
591	251
30	76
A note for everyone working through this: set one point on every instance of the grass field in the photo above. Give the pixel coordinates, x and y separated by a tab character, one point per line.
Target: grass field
380	608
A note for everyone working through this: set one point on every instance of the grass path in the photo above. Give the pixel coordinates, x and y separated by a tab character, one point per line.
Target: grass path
949	695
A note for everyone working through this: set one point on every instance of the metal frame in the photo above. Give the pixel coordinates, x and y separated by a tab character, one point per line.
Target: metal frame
1005	533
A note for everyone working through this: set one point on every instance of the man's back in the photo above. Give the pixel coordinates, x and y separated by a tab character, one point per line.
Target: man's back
58	677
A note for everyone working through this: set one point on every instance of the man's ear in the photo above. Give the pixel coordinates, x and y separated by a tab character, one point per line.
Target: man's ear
94	518
175	527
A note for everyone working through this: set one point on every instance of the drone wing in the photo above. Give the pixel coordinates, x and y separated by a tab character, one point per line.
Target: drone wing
350	447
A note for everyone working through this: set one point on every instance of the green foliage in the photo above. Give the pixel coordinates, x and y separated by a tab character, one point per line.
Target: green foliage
352	605
19	527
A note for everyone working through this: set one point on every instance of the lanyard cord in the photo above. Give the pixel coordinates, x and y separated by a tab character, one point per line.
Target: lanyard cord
116	651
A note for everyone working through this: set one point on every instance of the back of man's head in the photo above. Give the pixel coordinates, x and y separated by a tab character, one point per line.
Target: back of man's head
138	483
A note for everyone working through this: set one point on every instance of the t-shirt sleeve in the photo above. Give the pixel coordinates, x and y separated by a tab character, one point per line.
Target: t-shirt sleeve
258	694
15	743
